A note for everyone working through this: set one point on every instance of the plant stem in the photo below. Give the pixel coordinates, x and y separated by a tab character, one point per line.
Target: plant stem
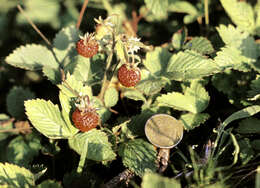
105	85
84	6
206	8
33	25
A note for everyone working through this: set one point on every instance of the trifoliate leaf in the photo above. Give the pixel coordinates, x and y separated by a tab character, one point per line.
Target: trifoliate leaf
15	176
111	97
195	99
47	119
64	44
157	60
241	13
244	113
153	180
99	148
249	126
158	8
41	11
191	121
246	151
200	45
32	57
6	123
179	38
133	94
190	65
21	150
49	184
15	101
232	58
139	156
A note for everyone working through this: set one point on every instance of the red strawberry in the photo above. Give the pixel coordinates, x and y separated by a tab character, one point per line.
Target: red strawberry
87	46
128	75
85	116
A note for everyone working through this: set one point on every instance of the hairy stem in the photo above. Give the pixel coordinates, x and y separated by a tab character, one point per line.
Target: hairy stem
33	25
84	6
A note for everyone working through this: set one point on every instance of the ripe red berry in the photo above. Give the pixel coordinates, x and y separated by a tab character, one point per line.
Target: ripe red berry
86	119
87	46
128	75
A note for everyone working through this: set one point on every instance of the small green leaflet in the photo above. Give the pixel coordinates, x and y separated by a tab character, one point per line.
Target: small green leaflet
9	174
32	57
195	99
49	184
241	13
47	119
156	61
139	156
82	69
191	121
158	8
200	45
153	180
15	101
111	97
190	65
133	94
99	148
246	112
21	150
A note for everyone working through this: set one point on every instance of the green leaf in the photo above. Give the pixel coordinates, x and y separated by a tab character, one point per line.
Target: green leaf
21	150
32	57
15	176
158	8
149	84
157	60
244	113
47	119
182	7
133	94
191	121
190	65
82	69
99	148
41	11
249	126
6	123
195	99
52	74
232	58
111	97
153	180
241	13
246	151
200	45
49	184
139	156
15	101
64	44
179	38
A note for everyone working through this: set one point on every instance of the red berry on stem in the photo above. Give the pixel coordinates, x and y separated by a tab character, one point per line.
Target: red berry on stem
128	75
87	46
85	120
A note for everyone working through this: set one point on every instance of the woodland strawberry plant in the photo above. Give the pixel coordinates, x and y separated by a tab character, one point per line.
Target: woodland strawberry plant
109	78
